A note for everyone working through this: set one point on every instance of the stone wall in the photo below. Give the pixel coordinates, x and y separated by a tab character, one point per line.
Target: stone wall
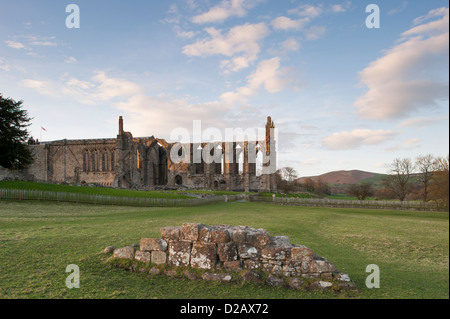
226	252
11	175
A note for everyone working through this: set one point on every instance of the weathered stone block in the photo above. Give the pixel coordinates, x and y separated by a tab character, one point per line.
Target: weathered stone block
227	251
203	255
252	264
204	234
246	251
158	257
302	253
326	275
170	233
274	281
277	270
251	276
343	277
320	285
190	231
258	239
124	252
235	265
275	252
266	267
154	271
190	275
321	266
217	277
239	236
179	253
310	276
150	244
295	283
220	236
293	268
143	256
170	272
280	241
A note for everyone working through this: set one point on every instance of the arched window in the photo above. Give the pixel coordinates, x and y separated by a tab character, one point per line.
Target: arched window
106	163
86	161
137	159
113	164
178	180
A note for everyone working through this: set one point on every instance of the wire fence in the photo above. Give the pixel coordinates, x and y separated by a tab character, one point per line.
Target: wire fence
19	194
328	202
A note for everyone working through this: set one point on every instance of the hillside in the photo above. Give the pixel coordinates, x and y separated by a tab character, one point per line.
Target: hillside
342	177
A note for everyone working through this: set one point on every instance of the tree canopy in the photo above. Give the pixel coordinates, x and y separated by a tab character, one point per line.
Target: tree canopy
14	152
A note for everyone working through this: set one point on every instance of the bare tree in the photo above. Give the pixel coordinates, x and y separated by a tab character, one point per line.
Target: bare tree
362	190
289	174
439	187
308	185
398	181
424	165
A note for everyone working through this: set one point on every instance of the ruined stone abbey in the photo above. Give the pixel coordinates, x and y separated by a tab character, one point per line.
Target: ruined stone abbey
146	163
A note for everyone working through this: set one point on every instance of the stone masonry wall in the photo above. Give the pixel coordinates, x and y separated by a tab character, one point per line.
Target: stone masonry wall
229	250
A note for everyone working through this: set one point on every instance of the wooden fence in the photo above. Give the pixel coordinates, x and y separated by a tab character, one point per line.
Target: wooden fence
327	202
19	194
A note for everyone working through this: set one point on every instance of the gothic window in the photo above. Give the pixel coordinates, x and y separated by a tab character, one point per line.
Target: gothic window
137	159
103	162
106	161
112	160
86	161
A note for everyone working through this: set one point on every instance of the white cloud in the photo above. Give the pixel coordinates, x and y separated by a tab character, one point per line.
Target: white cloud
338	8
159	110
315	32
285	23
70	59
15	44
307	10
225	10
42	87
290	44
408	76
405	145
268	75
240	44
422	122
356	138
44	43
185	34
101	88
109	88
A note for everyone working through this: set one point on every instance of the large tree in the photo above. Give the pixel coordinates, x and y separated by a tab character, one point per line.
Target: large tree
424	165
14	152
361	190
399	180
439	186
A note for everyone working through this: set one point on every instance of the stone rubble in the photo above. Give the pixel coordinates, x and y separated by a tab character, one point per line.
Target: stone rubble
224	251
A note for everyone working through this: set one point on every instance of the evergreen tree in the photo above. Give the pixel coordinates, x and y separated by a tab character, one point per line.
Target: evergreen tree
14	152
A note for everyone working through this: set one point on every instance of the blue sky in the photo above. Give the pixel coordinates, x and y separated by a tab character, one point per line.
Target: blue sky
342	96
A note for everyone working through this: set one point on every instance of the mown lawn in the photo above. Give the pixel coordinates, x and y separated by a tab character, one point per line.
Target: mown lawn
38	240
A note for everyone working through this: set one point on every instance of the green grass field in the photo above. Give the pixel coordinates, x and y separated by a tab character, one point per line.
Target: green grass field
39	239
90	190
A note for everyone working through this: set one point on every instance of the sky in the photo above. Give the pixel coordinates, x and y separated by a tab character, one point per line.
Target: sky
342	95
